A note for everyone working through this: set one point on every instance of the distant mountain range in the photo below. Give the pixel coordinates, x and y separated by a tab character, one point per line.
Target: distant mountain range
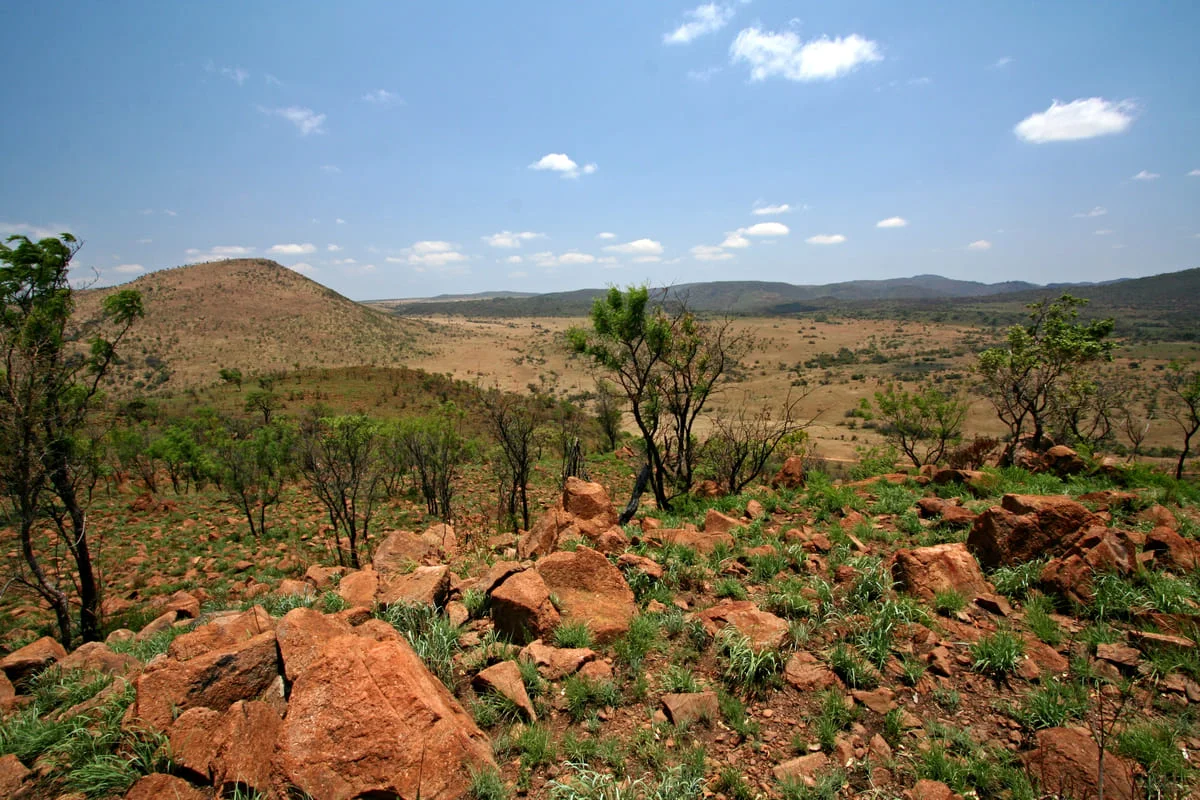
1170	291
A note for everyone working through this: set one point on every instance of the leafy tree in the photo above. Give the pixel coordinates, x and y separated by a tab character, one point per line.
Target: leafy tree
254	464
923	424
50	387
436	447
132	448
182	452
608	412
668	363
340	457
513	423
1183	405
231	375
263	401
1022	378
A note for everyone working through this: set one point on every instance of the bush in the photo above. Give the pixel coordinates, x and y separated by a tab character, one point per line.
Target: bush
998	654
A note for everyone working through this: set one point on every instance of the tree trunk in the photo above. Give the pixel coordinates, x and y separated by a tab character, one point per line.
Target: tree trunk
638	488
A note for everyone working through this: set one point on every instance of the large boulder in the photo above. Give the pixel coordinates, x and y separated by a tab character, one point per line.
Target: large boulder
428	586
700	541
1025	527
1172	551
159	786
554	663
23	664
589	589
925	571
1097	549
301	633
763	629
505	680
223	632
400	551
1065	763
368	719
215	680
358	588
246	739
584	512
790	475
521	607
98	657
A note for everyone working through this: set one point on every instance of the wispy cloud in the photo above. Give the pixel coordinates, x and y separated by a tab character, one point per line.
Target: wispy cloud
433	253
219	252
981	244
333	248
638	247
382	97
563	164
826	238
1098	211
303	267
235	74
1000	63
606	235
708	252
892	222
306	120
547	259
510	239
331	169
1194	173
765	229
1085	118
703	75
765	211
784	55
129	269
707	18
1146	176
293	249
1103	232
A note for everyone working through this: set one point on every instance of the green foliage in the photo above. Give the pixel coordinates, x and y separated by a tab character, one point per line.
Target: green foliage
997	654
1183	406
922	423
436	449
949	602
731	588
1014	582
253	466
583	694
1037	617
486	784
750	670
828	786
851	668
1053	704
834	717
432	636
1153	745
573	634
677	679
990	773
733	710
643	636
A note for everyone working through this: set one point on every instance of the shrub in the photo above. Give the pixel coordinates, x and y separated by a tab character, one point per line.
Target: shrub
997	654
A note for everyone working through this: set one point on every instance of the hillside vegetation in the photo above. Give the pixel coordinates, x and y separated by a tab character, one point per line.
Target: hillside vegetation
249	314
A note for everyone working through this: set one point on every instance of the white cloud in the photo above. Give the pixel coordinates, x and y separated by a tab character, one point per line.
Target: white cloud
305	119
303	268
647	259
1103	232
344	261
129	269
982	244
514	260
1146	176
382	97
765	211
735	239
170	213
430	253
707	252
765	229
576	258
826	238
235	74
708	18
703	75
784	55
892	222
271	80
562	164
34	232
1001	62
333	248
1098	211
292	249
1078	119
340	221
510	239
1194	173
219	252
606	235
331	169
638	247
548	259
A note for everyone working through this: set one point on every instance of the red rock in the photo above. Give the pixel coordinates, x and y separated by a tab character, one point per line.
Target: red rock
401	551
589	589
97	657
925	571
1172	551
163	787
358	588
554	663
1025	527
980	483
931	790
301	634
940	661
708	489
1160	639
496	574
1098	549
755	510
790	475
1158	517
1110	499
7	692
994	604
289	587
323	577
881	700
521	607
367	719
1065	761
596	671
194	744
504	678
691	707
804	768
184	605
1062	461
646	565
716	522
223	632
429	586
13	777
584	512
215	680
952	512
246	736
23	664
762	628
588	500
157	625
807	674
880	750
1119	654
701	542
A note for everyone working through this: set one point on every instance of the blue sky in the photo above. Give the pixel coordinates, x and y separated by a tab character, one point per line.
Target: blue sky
407	149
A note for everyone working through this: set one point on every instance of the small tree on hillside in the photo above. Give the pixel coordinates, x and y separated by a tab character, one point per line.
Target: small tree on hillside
1021	378
924	424
436	448
513	421
668	363
1183	406
741	446
608	412
50	387
254	464
231	375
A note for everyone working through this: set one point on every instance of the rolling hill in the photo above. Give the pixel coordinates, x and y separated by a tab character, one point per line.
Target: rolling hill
252	314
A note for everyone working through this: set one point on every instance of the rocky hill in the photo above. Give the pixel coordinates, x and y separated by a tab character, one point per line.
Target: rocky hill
249	314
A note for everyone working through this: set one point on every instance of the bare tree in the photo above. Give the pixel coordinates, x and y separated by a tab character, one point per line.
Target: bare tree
743	443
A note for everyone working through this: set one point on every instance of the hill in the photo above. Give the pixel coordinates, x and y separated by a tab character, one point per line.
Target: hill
252	314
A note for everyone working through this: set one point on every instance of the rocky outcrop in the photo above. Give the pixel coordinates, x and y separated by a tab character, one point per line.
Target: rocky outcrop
1025	527
589	589
585	512
23	664
1064	761
926	571
367	719
224	631
521	607
790	475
